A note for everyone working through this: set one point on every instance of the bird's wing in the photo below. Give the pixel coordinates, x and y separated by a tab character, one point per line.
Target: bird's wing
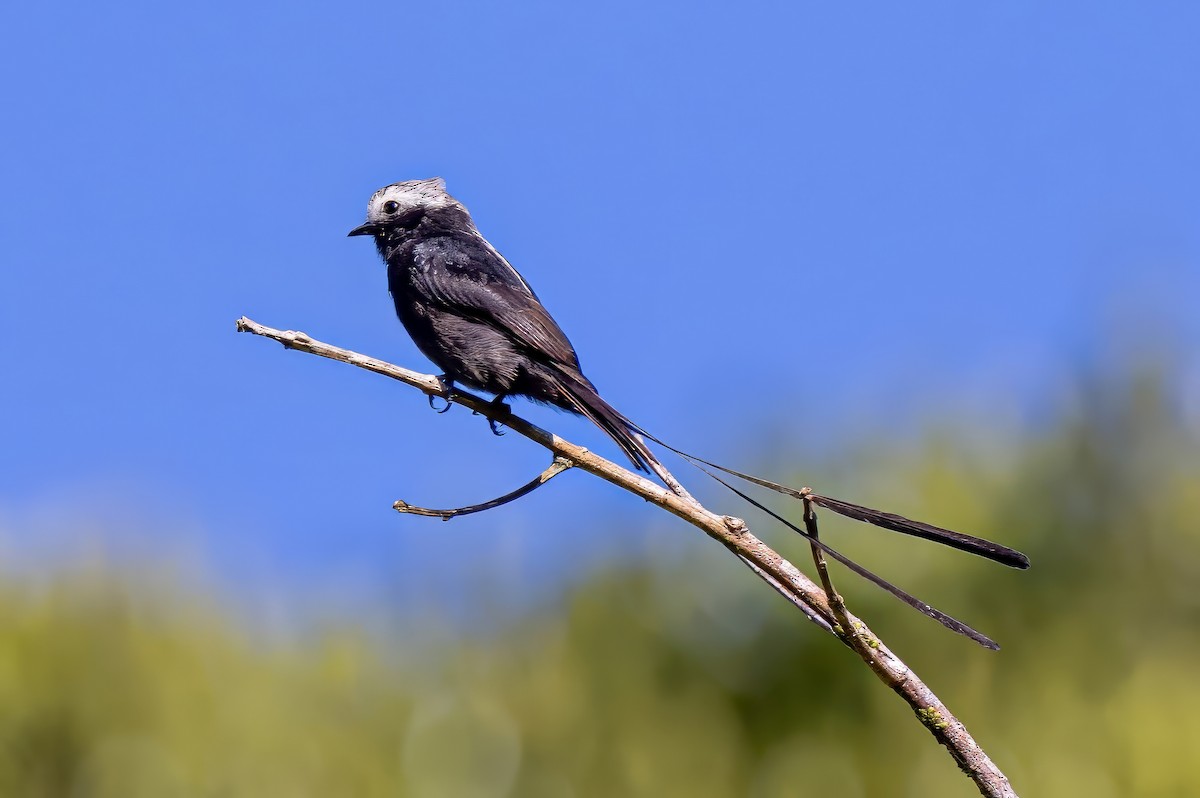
478	283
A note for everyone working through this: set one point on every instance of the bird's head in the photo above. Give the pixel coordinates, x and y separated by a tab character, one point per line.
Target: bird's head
403	205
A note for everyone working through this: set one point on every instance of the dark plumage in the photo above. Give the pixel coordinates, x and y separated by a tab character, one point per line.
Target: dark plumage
470	312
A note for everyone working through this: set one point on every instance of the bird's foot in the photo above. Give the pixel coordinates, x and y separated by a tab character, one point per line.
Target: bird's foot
501	409
447	389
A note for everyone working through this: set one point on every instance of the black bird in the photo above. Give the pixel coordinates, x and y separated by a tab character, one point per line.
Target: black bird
469	311
475	317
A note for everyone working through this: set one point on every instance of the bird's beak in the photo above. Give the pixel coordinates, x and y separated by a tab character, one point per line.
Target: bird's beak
368	229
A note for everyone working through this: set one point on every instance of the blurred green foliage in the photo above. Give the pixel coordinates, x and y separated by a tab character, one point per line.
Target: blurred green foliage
688	678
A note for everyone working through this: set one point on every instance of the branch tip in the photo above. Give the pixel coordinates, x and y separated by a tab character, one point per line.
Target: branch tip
555	468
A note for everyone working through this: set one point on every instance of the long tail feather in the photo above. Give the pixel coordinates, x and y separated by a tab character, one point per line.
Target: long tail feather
897	523
585	400
951	623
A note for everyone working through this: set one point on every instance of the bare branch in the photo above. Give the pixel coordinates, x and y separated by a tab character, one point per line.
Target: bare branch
730	532
559	465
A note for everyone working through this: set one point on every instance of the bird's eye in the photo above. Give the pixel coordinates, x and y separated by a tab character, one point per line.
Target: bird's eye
391	206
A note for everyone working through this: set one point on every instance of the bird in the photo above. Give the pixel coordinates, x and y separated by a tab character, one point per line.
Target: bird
471	313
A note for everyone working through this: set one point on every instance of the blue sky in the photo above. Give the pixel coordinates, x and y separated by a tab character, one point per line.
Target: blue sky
736	212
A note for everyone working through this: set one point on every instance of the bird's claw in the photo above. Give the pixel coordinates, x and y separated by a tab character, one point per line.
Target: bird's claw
447	388
499	408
